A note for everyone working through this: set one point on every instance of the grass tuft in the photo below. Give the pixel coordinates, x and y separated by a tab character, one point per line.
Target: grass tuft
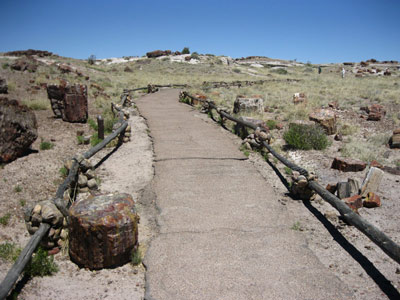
44	145
5	219
136	257
41	264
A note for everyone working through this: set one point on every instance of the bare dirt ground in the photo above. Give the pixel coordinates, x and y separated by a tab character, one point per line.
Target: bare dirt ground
129	170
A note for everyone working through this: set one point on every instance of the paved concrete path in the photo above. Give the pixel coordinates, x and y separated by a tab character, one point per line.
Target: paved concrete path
222	232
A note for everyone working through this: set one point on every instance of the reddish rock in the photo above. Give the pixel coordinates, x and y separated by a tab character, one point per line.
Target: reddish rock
18	129
333	105
364	64
188	58
69	102
103	231
65	68
375	164
299	98
354	202
348	165
29	52
54	251
279	126
372	200
326	118
394	141
375	112
331	188
200	96
24	64
158	53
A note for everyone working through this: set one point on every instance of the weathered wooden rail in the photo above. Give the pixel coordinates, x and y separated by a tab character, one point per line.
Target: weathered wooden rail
373	233
26	254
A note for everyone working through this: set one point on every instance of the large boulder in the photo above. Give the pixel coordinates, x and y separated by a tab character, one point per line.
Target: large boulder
69	102
244	104
376	112
103	231
3	86
326	118
158	53
25	64
18	129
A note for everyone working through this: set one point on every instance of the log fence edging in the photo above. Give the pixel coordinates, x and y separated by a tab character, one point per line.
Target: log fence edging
373	233
13	274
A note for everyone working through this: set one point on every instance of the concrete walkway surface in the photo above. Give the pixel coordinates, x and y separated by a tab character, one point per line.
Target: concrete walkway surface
222	233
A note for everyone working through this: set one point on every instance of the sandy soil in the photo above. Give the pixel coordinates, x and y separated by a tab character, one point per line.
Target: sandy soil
129	170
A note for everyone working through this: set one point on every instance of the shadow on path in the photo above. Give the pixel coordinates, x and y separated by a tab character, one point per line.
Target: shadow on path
384	284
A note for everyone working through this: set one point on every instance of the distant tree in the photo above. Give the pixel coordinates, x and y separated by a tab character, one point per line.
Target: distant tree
186	50
92	59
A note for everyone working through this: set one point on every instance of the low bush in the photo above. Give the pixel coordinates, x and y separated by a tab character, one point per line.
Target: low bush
9	251
41	264
185	50
136	257
280	71
271	124
46	145
5	219
306	137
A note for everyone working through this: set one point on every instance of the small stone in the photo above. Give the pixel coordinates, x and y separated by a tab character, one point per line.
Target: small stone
354	202
54	251
331	188
36	219
92	184
128	128
80	132
331	215
90	174
126	139
299	98
127	134
85	165
64	234
68	164
372	200
338	137
397	270
82	180
84	190
37	209
86	140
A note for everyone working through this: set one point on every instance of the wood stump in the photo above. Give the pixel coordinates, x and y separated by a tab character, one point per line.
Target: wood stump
103	231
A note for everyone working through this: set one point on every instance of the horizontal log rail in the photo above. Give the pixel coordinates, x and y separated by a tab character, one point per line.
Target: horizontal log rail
26	254
373	233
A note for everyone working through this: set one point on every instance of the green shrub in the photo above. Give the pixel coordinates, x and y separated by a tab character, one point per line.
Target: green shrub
136	257
46	145
195	55
92	123
236	70
186	50
41	264
5	219
306	137
92	59
9	251
280	71
5	66
288	171
17	188
271	124
80	139
63	172
94	140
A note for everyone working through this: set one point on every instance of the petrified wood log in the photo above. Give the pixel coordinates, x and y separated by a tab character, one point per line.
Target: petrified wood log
103	231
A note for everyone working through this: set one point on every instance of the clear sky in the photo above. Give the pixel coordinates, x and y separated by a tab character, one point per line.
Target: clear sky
307	30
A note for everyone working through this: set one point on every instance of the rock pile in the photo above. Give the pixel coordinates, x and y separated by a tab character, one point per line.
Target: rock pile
18	129
299	187
375	112
25	64
46	212
69	102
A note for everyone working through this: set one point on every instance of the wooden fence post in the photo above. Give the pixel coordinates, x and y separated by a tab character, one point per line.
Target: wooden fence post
100	127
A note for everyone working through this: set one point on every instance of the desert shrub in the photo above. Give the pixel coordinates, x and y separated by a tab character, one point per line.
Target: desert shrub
5	66
94	140
280	71
41	264
92	59
63	172
195	55
9	251
39	104
136	257
80	139
271	124
306	137
236	70
348	129
44	145
92	123
5	219
185	50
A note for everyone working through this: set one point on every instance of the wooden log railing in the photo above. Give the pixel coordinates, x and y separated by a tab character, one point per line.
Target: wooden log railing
26	254
373	233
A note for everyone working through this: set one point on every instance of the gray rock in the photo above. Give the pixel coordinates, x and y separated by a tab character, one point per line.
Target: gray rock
90	174
82	181
92	184
242	104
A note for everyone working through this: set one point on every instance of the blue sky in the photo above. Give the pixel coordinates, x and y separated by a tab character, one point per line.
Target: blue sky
316	30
